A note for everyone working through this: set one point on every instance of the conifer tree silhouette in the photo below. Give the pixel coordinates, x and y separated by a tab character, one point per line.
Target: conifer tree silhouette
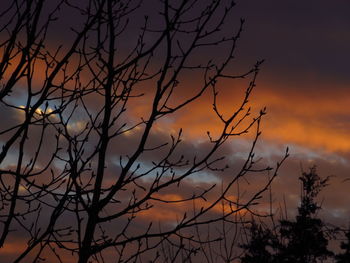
261	245
304	240
344	257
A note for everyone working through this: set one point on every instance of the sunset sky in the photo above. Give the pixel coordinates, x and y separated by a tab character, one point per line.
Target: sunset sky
304	83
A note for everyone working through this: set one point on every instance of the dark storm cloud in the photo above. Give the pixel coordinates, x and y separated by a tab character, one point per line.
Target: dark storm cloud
299	39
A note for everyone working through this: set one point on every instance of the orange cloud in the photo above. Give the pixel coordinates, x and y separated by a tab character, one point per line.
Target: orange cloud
171	212
317	120
13	247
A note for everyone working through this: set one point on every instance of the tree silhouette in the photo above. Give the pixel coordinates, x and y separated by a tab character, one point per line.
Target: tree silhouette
344	256
261	246
305	240
87	160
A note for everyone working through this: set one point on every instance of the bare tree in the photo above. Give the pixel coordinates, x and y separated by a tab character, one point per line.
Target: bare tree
84	162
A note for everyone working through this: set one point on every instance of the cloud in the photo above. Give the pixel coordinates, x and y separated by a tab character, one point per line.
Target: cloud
304	85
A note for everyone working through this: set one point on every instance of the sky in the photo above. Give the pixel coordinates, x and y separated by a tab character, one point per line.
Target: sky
304	84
